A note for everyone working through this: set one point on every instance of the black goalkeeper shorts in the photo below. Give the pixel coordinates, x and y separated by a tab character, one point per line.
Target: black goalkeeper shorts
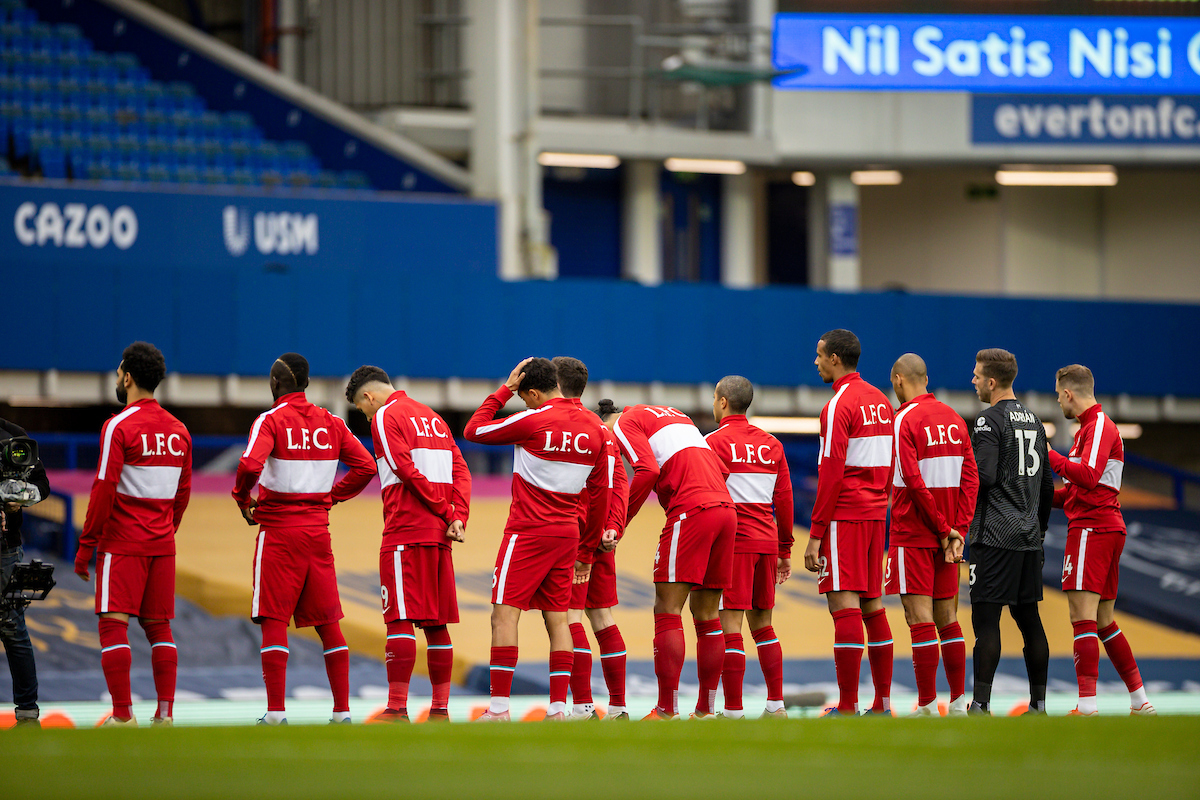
1007	577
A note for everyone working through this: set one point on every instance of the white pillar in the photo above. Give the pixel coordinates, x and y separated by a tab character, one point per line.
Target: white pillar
761	15
845	271
641	245
288	22
738	231
503	63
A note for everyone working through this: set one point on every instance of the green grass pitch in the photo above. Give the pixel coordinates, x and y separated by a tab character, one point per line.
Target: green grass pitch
1011	758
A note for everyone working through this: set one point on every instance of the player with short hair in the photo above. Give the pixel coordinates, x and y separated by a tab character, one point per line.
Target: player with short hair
141	490
596	596
293	455
846	542
426	497
760	485
558	457
1095	538
1008	528
934	488
694	560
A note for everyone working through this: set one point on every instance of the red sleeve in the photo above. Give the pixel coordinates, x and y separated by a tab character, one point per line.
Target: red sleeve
619	502
968	489
1060	496
484	428
250	466
910	470
785	508
636	447
831	467
104	487
1093	459
362	466
184	493
392	437
598	493
461	495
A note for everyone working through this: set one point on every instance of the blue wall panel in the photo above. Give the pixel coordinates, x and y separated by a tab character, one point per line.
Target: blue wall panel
411	286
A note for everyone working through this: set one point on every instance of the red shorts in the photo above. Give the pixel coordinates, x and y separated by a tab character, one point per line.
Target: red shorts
697	548
753	582
534	572
1092	562
851	558
600	591
141	586
416	583
294	577
920	570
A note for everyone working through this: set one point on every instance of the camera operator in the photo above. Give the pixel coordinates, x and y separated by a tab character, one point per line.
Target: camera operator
16	494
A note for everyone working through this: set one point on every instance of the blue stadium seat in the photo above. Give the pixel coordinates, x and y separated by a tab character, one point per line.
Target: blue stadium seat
99	171
158	174
353	179
187	174
326	179
52	161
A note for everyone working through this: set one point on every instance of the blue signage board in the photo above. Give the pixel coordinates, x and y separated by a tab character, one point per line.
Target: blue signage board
1078	119
1014	54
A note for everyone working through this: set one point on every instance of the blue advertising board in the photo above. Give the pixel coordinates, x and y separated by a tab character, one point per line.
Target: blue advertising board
1015	54
1138	120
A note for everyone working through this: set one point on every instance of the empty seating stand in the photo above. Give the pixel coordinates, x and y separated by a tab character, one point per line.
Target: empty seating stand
69	112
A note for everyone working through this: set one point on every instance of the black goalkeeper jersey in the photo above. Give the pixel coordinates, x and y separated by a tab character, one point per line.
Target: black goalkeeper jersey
1016	490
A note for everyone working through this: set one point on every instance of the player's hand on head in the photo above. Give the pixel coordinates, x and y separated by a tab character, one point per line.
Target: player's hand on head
609	542
783	570
812	555
456	532
517	375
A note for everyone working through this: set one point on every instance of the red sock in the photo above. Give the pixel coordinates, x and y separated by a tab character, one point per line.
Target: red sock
925	660
733	671
337	664
115	660
668	659
560	674
503	664
399	656
1087	656
710	656
770	659
612	663
954	658
164	661
847	655
439	654
581	667
1121	656
879	653
274	662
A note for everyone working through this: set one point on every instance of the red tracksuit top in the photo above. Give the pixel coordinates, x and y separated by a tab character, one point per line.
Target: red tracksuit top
935	481
669	455
618	485
759	483
1092	473
426	483
558	455
855	461
293	453
143	483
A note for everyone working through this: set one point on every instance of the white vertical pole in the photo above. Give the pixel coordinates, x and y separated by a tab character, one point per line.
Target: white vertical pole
737	231
641	233
845	267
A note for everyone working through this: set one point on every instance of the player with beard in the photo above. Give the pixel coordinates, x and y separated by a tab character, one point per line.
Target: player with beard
1016	493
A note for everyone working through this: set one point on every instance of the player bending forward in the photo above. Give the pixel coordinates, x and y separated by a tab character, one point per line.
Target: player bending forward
293	454
694	560
141	490
934	486
1095	538
558	457
846	542
426	498
597	595
761	488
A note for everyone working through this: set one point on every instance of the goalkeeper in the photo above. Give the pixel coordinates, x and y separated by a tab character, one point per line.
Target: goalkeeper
20	486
